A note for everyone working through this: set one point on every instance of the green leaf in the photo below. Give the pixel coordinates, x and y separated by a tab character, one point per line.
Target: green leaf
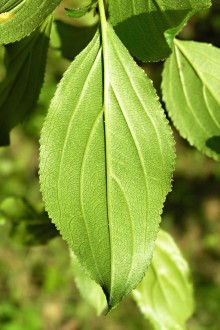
7	5
147	28
28	226
89	290
19	19
62	33
106	164
77	13
191	86
82	10
165	295
25	65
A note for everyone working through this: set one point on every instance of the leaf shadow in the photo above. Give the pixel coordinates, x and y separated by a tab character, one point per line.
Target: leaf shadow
25	63
73	39
213	143
144	34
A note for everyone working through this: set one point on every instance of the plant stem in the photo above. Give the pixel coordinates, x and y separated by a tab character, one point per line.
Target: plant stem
102	13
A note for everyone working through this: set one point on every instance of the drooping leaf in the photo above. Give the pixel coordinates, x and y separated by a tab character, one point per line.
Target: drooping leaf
165	295
25	64
19	19
147	28
89	289
27	225
62	33
191	91
106	164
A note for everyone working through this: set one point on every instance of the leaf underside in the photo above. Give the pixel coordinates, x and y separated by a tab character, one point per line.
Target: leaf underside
25	62
165	295
147	28
191	86
19	19
106	165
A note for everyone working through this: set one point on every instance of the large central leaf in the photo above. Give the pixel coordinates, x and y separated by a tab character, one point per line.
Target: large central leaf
106	164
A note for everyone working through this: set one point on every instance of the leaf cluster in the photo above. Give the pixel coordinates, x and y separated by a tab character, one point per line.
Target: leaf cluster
107	150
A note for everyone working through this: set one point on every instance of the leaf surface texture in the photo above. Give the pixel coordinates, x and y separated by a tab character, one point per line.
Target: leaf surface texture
19	18
106	163
191	85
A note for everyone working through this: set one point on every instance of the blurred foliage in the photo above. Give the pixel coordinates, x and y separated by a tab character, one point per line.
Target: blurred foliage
37	289
28	227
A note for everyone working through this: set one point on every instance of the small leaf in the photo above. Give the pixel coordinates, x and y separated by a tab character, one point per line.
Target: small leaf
89	289
106	164
165	295
19	19
147	28
191	86
25	65
77	13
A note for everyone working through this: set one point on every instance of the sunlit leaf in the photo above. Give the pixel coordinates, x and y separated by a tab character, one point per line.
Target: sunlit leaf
191	90
25	64
106	164
165	295
147	28
19	18
89	289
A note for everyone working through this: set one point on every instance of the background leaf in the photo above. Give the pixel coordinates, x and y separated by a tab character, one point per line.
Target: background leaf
107	178
81	10
191	86
27	225
165	294
62	33
89	289
147	28
23	17
25	62
77	13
